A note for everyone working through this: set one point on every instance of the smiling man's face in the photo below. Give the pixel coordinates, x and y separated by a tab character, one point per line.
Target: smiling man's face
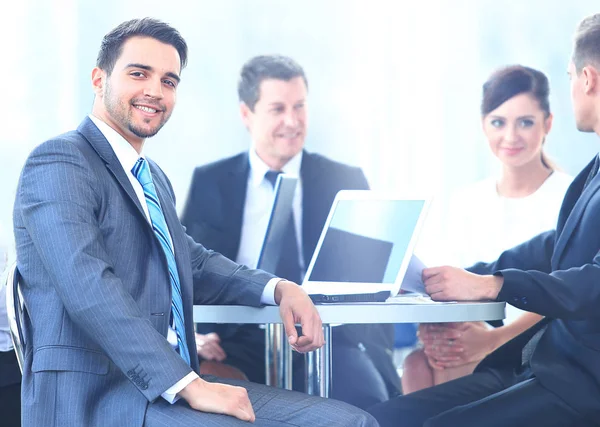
138	96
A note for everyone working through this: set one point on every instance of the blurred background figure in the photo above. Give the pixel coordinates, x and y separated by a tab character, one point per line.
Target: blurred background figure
493	215
10	375
228	210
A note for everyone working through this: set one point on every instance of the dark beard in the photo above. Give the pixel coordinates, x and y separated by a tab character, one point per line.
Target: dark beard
116	109
144	134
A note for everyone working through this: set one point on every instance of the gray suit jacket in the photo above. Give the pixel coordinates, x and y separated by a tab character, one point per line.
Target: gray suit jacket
96	286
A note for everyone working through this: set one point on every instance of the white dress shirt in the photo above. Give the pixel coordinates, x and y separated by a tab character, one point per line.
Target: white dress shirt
127	156
482	224
257	208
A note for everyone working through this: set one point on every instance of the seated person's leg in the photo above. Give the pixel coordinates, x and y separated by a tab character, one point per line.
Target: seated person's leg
441	376
523	405
415	408
356	380
416	373
272	406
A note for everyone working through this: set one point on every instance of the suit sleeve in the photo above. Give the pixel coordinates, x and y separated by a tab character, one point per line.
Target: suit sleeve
530	283
218	280
566	294
58	204
534	254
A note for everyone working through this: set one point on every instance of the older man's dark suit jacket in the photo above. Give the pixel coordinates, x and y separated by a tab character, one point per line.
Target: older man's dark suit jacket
214	212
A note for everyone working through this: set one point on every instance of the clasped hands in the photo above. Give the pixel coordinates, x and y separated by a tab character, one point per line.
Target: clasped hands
449	345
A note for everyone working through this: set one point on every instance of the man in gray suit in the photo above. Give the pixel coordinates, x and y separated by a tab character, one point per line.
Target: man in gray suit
109	276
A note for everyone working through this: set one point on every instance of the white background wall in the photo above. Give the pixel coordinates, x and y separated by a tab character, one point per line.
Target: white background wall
394	85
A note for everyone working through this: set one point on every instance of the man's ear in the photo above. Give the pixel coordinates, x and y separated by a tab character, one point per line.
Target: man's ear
246	114
98	81
590	75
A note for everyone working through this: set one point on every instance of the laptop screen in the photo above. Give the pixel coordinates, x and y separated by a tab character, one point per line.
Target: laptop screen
366	241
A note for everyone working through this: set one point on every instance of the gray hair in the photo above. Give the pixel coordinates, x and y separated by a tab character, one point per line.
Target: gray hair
265	67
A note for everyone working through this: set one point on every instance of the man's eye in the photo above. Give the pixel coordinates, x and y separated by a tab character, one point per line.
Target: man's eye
497	123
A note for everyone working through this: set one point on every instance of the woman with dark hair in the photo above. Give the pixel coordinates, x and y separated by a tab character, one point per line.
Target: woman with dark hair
494	215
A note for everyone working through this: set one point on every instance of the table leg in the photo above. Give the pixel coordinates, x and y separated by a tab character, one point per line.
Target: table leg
278	357
318	367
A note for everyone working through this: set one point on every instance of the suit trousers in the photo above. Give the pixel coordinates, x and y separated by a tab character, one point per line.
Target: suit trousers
272	406
491	398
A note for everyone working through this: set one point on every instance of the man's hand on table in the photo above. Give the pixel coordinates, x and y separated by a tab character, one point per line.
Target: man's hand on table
455	284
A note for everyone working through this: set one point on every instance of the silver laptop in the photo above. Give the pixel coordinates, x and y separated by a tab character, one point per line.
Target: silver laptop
365	247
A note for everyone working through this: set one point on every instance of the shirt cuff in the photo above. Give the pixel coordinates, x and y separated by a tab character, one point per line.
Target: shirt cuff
170	395
268	295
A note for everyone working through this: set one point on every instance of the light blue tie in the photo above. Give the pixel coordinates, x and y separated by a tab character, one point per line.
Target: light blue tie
141	171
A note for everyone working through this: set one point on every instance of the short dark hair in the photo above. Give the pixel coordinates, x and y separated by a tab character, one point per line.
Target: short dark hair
262	68
514	80
112	43
586	49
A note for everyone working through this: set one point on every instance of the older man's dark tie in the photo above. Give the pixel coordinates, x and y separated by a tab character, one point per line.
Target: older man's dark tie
288	266
529	348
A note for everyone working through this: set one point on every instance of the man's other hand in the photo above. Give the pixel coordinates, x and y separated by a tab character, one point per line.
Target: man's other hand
295	306
209	348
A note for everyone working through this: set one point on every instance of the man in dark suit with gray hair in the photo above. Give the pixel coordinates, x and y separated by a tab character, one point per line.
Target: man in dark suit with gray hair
228	209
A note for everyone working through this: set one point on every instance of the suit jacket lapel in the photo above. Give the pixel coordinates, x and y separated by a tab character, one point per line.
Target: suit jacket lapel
232	189
575	201
89	130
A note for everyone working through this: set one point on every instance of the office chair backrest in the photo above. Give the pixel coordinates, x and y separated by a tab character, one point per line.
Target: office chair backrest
15	308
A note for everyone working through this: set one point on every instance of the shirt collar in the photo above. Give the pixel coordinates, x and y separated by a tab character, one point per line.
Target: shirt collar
258	168
125	153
